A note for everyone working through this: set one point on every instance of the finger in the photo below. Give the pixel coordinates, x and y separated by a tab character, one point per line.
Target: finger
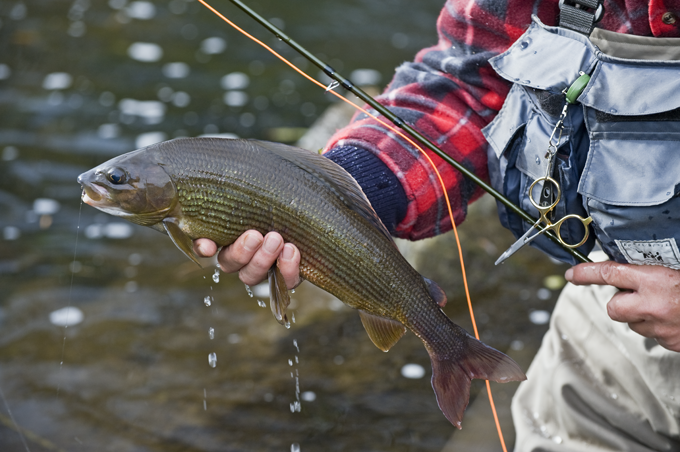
289	265
233	257
256	270
627	307
205	247
623	276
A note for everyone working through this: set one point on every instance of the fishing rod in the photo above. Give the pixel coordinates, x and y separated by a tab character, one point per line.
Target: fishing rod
349	86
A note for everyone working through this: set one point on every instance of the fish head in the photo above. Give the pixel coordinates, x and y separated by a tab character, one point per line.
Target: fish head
133	186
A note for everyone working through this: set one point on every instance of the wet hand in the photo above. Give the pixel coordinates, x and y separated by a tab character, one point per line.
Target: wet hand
252	255
649	301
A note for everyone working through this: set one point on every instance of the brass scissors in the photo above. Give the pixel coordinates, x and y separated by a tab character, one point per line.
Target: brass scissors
551	191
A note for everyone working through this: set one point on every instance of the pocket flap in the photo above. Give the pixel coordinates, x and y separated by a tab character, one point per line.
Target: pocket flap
631	172
633	87
546	58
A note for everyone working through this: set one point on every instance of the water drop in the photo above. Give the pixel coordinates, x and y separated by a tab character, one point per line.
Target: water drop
538	160
523	45
517	80
290	362
207	300
297	360
614	396
287	325
557	439
292	290
216	276
261	304
613	111
292	317
205	405
212	359
250	292
295	407
295	343
211	333
295	447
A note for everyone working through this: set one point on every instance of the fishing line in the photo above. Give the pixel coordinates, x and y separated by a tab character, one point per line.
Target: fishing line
409	140
70	293
16	426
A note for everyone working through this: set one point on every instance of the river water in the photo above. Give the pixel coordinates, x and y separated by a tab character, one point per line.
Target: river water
107	341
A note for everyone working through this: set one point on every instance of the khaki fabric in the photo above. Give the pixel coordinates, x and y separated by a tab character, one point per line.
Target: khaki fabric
633	47
595	385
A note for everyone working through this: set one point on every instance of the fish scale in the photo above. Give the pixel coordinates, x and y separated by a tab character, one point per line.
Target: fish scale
220	188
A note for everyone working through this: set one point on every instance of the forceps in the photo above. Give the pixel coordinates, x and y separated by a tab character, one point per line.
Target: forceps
551	190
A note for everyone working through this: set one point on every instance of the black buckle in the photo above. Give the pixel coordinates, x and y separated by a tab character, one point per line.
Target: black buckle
580	15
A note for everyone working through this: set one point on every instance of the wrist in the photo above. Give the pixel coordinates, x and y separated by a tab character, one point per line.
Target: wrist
380	185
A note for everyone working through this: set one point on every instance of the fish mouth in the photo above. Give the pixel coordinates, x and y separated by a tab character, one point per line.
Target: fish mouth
94	194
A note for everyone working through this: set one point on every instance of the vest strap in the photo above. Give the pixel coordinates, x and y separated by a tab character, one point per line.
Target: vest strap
580	15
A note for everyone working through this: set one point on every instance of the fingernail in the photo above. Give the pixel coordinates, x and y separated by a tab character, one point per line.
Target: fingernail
569	274
271	244
251	242
288	252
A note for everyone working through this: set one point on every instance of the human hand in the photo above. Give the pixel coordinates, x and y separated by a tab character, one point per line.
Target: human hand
252	255
651	303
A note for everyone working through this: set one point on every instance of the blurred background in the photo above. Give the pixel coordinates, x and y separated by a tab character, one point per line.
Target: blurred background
110	339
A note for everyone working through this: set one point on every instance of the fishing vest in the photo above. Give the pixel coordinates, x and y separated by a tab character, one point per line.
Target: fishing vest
618	159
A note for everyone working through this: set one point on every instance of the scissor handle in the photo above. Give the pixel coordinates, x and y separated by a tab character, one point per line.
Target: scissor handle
544	209
585	221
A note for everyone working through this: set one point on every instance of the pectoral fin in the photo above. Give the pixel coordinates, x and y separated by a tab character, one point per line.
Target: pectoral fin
279	297
180	239
384	333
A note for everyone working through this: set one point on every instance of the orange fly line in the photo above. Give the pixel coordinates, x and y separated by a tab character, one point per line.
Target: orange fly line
409	140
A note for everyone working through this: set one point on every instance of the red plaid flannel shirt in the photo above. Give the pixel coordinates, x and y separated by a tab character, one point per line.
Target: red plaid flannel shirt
449	93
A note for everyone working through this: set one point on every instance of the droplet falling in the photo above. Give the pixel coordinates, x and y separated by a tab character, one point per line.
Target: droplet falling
261	304
207	300
212	359
295	447
216	276
250	292
295	343
290	362
211	333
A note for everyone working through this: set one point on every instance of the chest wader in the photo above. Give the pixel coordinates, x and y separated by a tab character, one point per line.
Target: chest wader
618	156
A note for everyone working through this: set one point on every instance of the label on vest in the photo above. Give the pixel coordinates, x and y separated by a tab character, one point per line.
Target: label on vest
653	252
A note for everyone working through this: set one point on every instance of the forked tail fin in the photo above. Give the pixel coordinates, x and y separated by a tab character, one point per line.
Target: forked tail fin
451	377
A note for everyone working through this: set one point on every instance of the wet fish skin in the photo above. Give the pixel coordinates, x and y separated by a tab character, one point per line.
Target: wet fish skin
218	189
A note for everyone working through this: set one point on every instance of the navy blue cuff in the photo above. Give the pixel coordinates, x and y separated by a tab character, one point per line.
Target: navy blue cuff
381	186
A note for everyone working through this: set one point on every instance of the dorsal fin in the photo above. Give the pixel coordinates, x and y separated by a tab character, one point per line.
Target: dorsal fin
436	292
279	299
384	333
332	175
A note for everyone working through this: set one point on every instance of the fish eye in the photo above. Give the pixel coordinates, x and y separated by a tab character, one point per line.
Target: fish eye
116	176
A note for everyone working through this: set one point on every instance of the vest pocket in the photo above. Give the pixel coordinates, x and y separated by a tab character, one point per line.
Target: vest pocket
518	139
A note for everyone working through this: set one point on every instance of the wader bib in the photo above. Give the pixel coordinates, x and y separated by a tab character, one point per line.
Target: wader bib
618	159
595	385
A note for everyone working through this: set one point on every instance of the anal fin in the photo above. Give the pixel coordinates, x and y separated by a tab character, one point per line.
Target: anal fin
180	239
278	293
384	333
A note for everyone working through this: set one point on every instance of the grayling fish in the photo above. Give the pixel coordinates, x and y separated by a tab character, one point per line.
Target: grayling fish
219	188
